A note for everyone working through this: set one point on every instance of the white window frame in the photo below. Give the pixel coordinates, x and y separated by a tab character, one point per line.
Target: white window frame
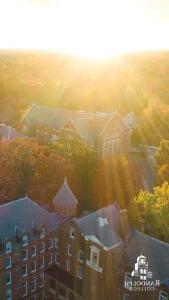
51	258
128	278
10	262
163	295
79	275
34	262
69	249
34	280
94	251
26	273
42	275
8	250
51	243
25	240
10	281
68	267
34	252
43	248
56	260
26	256
43	259
72	232
26	289
79	259
42	232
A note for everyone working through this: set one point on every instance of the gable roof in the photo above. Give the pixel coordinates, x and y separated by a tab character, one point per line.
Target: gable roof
9	133
156	251
65	196
25	213
102	225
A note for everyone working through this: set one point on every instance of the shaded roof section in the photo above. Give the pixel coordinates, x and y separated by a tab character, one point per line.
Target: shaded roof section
104	225
66	279
25	214
156	251
9	133
65	196
89	124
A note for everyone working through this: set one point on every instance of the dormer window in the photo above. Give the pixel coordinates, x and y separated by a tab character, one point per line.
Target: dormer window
25	240
8	247
72	232
94	259
42	232
163	295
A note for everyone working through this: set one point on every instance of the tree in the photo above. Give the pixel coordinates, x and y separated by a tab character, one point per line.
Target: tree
153	208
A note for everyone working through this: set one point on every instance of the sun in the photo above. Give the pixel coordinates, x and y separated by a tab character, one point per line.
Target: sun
87	28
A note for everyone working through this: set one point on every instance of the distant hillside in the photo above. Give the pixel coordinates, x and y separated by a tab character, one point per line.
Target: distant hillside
126	83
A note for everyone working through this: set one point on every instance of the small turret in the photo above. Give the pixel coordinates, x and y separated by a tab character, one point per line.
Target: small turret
65	202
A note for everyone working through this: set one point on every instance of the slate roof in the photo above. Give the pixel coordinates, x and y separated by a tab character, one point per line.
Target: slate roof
65	196
89	124
24	213
108	233
156	251
9	133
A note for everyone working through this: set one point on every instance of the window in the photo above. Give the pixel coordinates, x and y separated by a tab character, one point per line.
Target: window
42	262
42	247
94	259
33	284
24	270
41	279
42	295
8	294
24	254
56	242
128	281
24	288
72	232
33	251
57	258
50	243
143	277
33	297
42	232
50	258
94	256
8	247
24	240
163	295
80	271
68	265
69	250
8	278
8	262
81	256
33	266
62	293
126	297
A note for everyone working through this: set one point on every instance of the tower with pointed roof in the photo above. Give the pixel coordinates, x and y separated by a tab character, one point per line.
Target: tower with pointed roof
65	202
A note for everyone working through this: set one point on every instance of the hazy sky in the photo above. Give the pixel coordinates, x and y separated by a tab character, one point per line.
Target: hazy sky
85	27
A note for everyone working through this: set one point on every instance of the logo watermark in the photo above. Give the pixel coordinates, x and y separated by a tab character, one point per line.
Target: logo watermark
140	278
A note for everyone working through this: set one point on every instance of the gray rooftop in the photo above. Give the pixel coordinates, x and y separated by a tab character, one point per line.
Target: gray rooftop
104	225
65	196
25	213
156	251
9	133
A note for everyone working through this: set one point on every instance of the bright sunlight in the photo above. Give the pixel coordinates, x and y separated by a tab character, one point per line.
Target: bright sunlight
89	28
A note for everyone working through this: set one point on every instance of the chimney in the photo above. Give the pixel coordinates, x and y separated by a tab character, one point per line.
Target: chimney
124	225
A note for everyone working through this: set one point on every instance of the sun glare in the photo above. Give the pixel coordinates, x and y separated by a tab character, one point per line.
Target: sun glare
90	28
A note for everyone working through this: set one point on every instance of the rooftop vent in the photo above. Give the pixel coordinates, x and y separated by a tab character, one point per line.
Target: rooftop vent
102	221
